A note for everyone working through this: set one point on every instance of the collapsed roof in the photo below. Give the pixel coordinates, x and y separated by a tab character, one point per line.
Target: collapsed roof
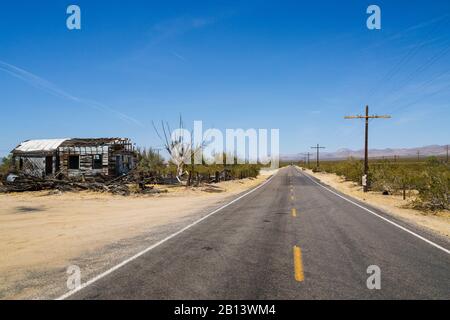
50	145
44	145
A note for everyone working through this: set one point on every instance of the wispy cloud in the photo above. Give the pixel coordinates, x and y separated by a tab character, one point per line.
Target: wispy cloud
179	56
178	26
54	90
166	30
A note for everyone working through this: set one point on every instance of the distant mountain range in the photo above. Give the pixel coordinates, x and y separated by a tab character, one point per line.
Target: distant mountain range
433	150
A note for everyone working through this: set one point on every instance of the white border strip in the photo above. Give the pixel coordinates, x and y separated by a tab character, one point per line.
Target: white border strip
379	216
107	272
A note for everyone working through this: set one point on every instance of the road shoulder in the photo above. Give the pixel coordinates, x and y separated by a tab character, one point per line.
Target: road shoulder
437	225
43	234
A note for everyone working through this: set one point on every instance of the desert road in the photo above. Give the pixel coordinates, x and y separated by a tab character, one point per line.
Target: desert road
291	238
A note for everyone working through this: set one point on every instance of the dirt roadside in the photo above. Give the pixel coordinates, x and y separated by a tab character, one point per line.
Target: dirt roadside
439	222
43	233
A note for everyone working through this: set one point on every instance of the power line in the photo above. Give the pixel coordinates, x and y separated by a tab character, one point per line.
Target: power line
421	68
401	107
406	58
367	117
427	84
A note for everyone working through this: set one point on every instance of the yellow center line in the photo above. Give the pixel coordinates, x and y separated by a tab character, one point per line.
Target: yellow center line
298	265
294	212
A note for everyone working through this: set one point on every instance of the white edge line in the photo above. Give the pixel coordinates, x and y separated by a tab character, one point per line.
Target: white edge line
107	272
379	216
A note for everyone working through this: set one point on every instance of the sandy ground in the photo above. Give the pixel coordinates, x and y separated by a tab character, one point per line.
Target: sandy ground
438	222
41	233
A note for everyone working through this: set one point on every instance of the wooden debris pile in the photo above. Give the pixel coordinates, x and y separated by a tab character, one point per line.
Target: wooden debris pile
119	186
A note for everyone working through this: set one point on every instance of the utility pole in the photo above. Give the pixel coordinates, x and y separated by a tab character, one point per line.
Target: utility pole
318	147
366	147
418	155
307	156
447	154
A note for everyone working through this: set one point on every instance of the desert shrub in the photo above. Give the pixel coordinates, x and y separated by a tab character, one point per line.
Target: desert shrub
433	187
240	171
429	179
5	166
150	163
351	169
198	173
386	177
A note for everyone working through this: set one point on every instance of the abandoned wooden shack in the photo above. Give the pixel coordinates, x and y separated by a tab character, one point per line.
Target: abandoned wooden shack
70	158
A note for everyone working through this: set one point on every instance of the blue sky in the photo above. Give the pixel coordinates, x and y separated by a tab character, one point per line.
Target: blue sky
293	65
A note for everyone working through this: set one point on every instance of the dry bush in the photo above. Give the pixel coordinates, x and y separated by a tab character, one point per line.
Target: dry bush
430	179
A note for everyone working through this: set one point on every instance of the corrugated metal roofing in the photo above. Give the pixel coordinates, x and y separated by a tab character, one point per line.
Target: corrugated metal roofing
40	145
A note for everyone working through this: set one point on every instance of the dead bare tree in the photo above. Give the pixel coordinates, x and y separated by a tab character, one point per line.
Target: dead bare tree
182	152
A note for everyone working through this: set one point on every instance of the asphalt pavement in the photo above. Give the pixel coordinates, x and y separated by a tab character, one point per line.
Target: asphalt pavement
289	239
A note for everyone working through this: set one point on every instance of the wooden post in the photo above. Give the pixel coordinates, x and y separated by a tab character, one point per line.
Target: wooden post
366	141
